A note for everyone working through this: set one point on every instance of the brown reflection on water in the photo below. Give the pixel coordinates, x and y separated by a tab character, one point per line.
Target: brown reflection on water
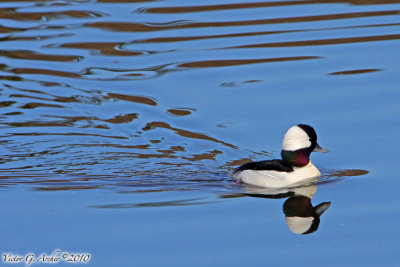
22	16
349	72
207	155
33	38
132	98
54	98
333	176
179	112
39	124
5	29
184	133
29	96
68	120
192	38
236	62
37	105
238	162
13	113
6	103
143	27
331	41
203	8
69	187
123	118
31	55
344	173
104	48
10	78
168	39
45	72
187	9
70	134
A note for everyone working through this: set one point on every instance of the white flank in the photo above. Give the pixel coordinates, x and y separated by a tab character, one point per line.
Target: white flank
276	179
295	138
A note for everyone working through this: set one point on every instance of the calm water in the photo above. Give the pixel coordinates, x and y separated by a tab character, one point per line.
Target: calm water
120	122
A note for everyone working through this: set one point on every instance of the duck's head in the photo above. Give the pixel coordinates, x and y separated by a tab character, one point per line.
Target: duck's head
298	143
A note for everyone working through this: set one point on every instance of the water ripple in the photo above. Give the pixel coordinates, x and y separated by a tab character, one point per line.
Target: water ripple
145	27
145	96
232	6
332	41
31	55
236	62
112	49
40	16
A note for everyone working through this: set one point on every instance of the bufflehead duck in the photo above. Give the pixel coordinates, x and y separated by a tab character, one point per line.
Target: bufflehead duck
295	165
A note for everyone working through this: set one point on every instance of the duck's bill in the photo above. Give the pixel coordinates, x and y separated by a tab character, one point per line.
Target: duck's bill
321	208
319	148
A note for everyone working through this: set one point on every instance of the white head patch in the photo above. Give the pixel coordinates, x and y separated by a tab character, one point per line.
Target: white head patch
295	138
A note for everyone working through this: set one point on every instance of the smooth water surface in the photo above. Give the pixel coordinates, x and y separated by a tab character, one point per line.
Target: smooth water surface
120	122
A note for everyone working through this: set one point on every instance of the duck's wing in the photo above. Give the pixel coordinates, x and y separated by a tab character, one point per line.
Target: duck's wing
266	165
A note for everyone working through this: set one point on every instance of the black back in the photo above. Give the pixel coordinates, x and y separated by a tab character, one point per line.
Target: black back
266	165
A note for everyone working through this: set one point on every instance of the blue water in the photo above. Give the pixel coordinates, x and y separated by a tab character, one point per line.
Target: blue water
121	121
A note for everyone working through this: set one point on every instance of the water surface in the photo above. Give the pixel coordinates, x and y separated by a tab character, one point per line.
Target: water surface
121	121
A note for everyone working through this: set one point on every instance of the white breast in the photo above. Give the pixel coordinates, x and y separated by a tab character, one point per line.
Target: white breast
278	179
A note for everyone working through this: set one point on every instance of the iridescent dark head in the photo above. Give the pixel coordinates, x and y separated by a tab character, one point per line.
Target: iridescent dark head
298	143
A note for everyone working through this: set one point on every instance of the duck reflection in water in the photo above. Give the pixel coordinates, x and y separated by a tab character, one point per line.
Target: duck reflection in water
287	177
300	215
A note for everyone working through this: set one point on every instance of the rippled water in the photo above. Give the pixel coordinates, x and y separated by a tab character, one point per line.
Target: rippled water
151	104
